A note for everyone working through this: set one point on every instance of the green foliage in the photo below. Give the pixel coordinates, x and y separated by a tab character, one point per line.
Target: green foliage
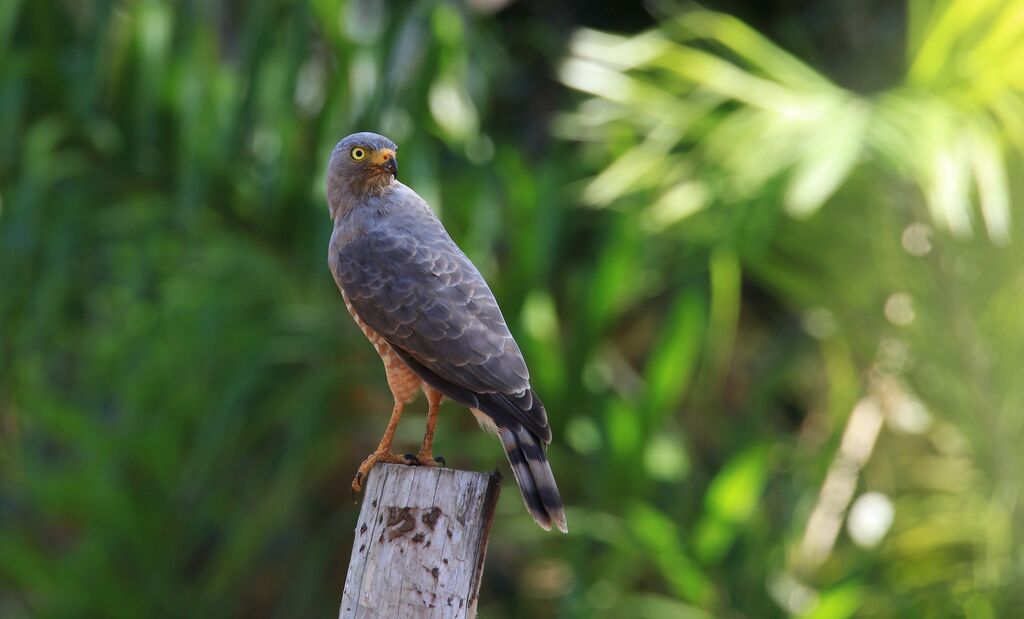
764	303
709	135
946	128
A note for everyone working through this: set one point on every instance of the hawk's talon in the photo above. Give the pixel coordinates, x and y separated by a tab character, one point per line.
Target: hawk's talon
440	460
368	464
357	484
426	458
422	459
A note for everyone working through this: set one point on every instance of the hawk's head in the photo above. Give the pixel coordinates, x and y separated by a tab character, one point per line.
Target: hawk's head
363	162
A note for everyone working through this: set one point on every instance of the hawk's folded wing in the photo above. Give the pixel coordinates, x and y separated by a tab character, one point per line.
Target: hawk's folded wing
424	296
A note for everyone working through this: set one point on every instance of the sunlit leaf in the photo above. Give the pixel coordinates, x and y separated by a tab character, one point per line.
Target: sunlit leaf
730	501
827	158
661	537
675	356
788	116
841	602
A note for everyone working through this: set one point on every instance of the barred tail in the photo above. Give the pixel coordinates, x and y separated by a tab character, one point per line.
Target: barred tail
533	474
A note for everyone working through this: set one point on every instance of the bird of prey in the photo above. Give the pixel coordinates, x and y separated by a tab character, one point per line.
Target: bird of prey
432	319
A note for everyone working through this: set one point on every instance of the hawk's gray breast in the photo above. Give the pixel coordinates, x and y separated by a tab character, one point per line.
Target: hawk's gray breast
409	282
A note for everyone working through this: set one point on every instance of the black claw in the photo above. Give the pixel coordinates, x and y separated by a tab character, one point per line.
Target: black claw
359	480
412	459
440	460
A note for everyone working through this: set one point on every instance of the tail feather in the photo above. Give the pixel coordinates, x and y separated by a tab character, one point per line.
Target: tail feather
533	474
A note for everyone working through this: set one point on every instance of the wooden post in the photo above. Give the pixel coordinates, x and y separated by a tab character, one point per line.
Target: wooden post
420	543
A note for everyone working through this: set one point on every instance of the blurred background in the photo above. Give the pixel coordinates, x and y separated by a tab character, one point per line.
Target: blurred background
760	256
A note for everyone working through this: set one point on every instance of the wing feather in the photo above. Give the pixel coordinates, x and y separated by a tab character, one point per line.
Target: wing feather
424	296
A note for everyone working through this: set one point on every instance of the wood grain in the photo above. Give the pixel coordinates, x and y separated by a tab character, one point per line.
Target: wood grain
420	543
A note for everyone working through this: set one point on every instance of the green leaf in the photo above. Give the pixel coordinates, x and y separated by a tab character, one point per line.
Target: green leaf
841	602
675	355
659	536
828	155
731	501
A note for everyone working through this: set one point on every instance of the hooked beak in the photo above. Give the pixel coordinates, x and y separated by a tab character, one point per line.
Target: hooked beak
386	160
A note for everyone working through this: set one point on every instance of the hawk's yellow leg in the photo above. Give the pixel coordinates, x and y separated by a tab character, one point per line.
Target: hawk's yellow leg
383	451
426	454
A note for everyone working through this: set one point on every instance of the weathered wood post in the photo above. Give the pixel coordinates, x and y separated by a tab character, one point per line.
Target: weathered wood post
420	543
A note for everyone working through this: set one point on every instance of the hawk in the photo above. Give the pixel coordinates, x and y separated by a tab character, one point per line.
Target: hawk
432	319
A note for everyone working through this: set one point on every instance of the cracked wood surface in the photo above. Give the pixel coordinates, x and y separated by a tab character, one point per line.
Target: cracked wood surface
419	543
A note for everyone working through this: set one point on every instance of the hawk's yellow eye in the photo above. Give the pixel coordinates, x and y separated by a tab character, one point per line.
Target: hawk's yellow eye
358	153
